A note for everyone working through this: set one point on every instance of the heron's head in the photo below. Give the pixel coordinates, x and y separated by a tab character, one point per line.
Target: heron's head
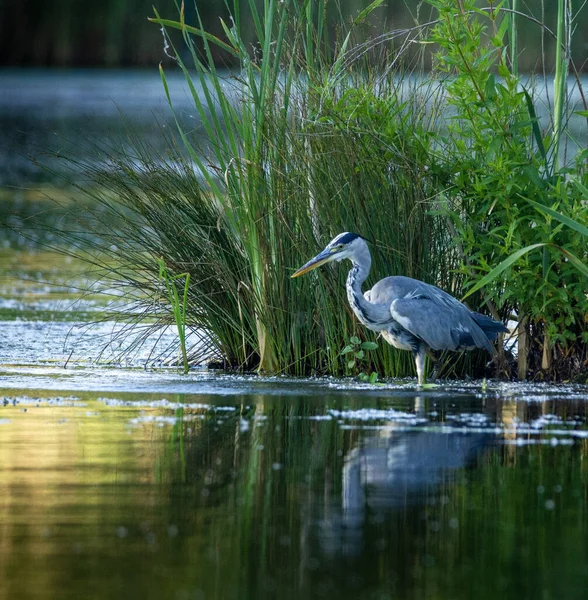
343	246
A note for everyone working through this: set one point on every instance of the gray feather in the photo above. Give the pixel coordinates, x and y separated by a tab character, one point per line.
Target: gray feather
441	327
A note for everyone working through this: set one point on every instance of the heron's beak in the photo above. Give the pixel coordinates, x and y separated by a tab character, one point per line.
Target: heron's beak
313	263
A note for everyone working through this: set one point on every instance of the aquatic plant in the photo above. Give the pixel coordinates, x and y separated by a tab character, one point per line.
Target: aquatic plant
287	161
356	355
179	305
510	182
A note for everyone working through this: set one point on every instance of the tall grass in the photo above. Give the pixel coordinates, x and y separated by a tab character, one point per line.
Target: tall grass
179	305
295	146
291	157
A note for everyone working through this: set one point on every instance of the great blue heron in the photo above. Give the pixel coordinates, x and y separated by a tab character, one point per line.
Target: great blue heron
408	313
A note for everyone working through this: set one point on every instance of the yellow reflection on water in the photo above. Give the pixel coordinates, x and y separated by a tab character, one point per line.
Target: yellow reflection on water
68	474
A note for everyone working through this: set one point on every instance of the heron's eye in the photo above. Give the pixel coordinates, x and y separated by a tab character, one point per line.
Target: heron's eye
340	246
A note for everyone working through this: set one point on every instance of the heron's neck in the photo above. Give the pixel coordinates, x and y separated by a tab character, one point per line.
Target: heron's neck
366	312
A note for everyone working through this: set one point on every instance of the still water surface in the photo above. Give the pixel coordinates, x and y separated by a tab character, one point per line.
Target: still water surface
225	487
47	112
122	479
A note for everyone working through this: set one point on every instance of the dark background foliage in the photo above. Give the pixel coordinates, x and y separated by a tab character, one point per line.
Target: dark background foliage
116	33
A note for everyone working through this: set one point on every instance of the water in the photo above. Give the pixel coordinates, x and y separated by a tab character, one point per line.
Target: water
120	478
47	112
138	482
142	485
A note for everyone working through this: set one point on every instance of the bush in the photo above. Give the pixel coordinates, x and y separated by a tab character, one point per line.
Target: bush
504	170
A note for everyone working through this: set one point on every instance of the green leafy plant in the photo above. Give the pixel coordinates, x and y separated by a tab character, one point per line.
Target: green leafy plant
515	211
356	358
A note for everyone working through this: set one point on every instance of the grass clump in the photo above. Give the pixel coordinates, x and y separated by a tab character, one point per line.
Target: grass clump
287	157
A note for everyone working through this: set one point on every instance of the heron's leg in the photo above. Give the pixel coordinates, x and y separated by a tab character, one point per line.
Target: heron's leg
419	359
435	360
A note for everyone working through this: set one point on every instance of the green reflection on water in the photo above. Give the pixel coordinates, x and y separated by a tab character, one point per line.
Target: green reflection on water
271	500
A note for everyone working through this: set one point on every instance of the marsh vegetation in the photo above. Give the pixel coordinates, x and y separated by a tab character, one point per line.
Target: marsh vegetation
450	173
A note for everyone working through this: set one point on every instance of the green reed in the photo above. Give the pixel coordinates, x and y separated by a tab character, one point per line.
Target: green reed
179	305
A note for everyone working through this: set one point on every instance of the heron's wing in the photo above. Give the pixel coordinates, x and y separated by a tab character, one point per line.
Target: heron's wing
389	289
440	326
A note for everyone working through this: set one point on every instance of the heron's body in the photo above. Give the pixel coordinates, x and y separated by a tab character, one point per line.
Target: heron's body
408	313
